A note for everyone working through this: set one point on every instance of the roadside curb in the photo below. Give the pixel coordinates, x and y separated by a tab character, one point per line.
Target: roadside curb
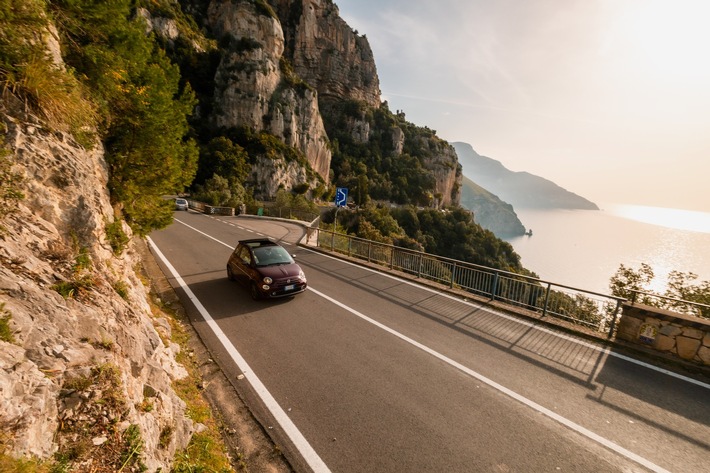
244	436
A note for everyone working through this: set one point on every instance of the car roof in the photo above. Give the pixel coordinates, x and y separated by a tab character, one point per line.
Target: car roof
256	242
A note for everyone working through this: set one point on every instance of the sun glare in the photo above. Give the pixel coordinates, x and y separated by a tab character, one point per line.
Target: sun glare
672	218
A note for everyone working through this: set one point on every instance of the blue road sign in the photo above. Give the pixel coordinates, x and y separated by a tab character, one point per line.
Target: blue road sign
341	196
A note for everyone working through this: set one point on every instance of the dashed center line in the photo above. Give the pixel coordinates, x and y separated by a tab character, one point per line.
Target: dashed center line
295	435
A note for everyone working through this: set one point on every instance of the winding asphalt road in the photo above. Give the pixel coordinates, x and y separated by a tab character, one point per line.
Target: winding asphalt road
368	373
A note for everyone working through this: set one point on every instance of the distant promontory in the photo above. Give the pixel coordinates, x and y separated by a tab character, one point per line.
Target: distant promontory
520	189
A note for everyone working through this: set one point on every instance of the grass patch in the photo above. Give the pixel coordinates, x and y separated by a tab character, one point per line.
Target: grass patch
104	344
75	287
82	260
206	450
19	465
5	332
99	409
121	289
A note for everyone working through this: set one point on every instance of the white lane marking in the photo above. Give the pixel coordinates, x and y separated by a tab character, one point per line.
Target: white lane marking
606	351
305	449
205	234
532	404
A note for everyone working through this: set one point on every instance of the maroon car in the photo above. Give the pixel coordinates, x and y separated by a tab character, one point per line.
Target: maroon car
266	268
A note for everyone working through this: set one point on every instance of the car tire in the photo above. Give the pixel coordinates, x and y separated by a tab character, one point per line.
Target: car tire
230	276
254	291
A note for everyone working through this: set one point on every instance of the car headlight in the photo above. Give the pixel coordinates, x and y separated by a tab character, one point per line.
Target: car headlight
268	280
302	276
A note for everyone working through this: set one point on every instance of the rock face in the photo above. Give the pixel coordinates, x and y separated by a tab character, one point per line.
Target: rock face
106	321
444	165
281	61
326	52
254	89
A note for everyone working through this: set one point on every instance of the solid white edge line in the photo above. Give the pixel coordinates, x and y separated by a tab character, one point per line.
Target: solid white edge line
607	351
305	449
532	404
583	343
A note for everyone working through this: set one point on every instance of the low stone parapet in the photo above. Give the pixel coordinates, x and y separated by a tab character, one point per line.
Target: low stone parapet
684	336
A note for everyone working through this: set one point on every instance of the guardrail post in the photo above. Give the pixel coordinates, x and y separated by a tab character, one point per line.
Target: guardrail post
494	289
613	319
453	276
547	298
391	258
369	251
421	262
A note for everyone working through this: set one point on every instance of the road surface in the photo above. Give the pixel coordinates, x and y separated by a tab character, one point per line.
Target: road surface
365	372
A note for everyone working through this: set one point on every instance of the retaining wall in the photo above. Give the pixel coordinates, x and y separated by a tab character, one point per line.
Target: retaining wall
684	336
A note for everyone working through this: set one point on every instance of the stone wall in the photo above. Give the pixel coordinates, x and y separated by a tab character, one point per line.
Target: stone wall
684	336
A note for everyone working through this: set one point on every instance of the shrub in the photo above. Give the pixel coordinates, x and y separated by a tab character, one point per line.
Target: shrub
116	237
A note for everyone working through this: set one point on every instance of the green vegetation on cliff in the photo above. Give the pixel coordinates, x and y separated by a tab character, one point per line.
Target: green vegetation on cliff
134	92
371	167
117	84
450	233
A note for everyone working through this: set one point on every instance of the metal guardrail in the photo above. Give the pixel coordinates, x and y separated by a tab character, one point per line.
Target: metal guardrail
594	310
579	306
695	309
209	209
285	212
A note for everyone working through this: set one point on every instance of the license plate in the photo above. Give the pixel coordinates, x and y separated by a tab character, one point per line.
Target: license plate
289	288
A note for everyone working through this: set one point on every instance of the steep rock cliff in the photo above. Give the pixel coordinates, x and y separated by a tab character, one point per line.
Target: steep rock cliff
256	89
326	52
444	165
55	240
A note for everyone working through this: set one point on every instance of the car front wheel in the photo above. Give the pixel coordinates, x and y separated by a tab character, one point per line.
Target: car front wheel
230	276
254	291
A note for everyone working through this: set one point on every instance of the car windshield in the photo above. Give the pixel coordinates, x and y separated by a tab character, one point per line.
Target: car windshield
271	255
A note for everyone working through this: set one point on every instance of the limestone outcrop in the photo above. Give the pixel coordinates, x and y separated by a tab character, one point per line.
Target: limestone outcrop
255	88
444	165
327	53
55	242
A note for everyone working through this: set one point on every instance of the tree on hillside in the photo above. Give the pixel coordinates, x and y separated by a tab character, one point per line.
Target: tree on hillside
454	234
144	113
627	282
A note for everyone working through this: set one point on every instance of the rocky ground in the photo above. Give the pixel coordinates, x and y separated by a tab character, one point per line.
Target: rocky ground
246	439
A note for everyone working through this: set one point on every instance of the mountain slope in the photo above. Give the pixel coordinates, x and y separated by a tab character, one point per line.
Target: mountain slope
489	211
521	189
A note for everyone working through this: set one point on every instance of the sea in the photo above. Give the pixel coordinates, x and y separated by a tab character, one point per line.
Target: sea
585	248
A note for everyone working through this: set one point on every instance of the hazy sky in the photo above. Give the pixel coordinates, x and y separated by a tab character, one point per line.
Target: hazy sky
609	99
